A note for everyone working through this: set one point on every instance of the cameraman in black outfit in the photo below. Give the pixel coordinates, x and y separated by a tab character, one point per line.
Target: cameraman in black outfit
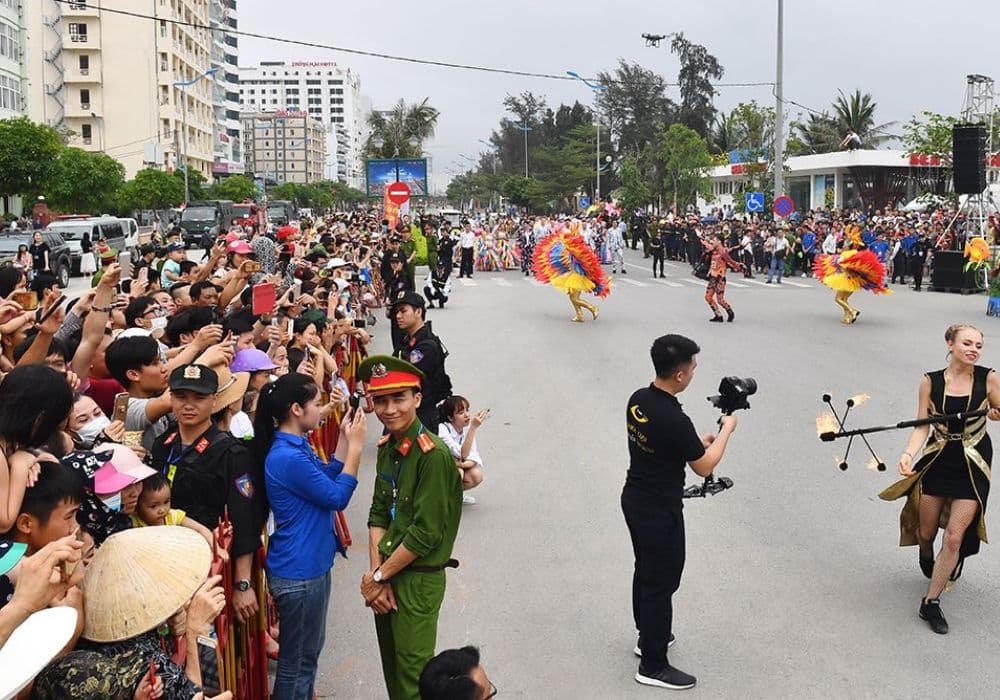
662	440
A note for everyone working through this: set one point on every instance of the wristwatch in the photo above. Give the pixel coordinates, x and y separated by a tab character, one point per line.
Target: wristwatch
243	585
377	575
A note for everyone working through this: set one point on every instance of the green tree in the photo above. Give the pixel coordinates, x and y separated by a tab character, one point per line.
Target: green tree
698	69
634	105
238	188
817	133
929	134
84	182
634	192
856	112
519	190
344	194
685	159
196	182
401	131
27	153
150	189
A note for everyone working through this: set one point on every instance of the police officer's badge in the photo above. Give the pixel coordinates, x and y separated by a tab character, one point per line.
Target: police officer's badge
416	356
245	486
192	372
401	295
379	371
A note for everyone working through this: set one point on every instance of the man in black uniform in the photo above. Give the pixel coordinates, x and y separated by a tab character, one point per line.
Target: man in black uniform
422	349
396	282
661	441
209	472
918	258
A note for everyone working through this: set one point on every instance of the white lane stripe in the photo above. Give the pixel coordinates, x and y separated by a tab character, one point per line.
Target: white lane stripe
669	283
532	280
739	285
634	283
501	281
797	284
696	282
466	282
762	284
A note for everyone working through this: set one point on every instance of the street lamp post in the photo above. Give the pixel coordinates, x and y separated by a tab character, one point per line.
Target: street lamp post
597	88
182	84
525	128
779	107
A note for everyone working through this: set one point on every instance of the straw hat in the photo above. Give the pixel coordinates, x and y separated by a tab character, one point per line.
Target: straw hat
141	577
232	386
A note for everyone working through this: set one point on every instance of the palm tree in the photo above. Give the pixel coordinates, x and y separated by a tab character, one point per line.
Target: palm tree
856	112
723	136
819	133
401	131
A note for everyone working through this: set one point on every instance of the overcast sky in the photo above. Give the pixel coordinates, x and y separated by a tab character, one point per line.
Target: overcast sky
910	54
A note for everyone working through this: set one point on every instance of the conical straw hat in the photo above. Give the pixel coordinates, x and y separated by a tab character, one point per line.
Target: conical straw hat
139	578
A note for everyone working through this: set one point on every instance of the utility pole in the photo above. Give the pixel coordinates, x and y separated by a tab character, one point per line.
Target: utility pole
779	108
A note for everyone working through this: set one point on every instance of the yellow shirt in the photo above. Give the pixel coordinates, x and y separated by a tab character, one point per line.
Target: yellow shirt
174	517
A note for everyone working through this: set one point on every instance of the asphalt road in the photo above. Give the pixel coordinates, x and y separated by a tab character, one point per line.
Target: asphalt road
794	585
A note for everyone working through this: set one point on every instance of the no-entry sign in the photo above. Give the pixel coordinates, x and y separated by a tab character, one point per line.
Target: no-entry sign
399	193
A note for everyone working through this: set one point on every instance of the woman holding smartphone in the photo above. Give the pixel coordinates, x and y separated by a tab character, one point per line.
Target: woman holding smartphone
303	493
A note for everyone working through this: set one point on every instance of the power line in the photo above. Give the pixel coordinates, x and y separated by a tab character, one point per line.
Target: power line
362	52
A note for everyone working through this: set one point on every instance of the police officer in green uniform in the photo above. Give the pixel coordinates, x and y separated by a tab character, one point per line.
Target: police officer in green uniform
421	348
210	473
412	525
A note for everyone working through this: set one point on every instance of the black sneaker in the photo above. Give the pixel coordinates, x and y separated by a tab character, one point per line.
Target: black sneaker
668	677
930	610
715	319
638	645
730	315
927	564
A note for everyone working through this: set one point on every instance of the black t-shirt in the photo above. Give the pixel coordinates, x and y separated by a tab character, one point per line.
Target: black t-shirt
661	442
38	251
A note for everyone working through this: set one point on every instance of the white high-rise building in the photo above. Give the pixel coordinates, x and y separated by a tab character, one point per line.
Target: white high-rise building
12	68
325	91
114	80
228	148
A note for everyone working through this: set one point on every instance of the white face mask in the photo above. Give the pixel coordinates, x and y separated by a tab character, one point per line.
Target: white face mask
89	432
159	323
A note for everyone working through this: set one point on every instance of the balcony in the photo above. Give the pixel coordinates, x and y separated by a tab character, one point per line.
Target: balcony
78	41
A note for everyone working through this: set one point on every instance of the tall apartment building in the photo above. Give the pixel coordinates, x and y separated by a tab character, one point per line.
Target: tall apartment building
324	91
227	150
12	71
284	146
12	74
115	80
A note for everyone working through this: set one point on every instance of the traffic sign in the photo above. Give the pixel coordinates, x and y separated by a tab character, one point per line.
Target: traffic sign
783	206
584	201
755	202
399	193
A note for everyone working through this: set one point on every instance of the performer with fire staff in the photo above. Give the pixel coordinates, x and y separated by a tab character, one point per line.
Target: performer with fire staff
949	485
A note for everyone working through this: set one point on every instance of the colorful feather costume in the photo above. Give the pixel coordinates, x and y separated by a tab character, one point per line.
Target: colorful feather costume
564	260
847	273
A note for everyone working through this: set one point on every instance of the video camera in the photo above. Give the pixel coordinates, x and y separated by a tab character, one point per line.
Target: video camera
732	396
733	393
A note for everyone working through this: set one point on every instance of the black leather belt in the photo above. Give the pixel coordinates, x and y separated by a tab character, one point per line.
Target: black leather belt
450	564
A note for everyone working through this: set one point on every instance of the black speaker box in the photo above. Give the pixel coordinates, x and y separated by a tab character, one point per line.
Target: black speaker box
948	273
968	142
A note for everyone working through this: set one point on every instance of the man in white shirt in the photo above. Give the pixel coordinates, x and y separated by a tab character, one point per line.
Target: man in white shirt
467	243
779	248
830	243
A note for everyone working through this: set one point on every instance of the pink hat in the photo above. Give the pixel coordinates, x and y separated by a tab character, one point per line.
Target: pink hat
241	247
126	461
232	236
107	480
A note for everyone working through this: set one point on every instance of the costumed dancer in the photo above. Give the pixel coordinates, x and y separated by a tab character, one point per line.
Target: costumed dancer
846	273
564	260
487	259
526	242
508	255
949	484
719	263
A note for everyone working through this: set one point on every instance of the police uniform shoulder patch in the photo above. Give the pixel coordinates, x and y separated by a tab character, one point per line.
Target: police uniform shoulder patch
384	440
244	484
416	356
201	446
425	442
404	446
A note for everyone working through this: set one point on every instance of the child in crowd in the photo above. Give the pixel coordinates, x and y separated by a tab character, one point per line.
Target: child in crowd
458	430
154	508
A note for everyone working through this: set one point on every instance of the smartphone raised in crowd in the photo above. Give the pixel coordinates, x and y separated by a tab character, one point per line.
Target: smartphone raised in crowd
27	300
125	262
120	407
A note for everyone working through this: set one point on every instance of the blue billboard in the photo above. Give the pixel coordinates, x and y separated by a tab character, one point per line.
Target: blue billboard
379	173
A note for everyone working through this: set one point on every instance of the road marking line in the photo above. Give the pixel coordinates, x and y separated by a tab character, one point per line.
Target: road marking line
501	281
625	280
736	284
669	283
532	280
466	282
762	284
695	282
797	284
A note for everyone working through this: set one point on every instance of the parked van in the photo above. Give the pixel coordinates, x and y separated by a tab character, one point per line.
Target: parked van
113	230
